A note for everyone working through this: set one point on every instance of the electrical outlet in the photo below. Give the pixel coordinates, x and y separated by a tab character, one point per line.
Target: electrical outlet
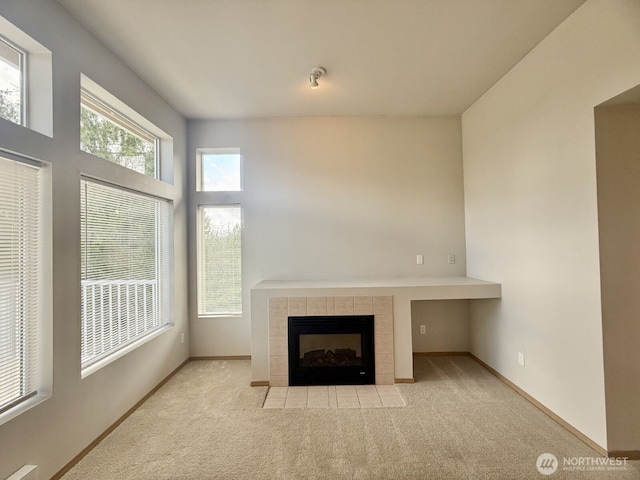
423	329
451	258
419	259
521	358
182	337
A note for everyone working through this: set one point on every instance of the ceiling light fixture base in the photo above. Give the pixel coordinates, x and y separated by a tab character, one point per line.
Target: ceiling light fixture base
316	73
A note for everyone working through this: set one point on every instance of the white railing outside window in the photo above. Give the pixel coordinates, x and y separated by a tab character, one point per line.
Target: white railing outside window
116	313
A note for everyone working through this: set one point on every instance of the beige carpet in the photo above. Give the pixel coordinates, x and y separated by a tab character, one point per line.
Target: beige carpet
460	422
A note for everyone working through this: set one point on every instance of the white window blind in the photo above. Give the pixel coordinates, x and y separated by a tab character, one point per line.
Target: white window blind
219	262
20	293
125	247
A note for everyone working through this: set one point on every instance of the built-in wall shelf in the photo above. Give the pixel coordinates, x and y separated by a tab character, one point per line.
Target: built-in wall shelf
402	290
426	288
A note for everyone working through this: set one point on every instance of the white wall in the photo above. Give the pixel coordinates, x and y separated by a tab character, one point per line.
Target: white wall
446	325
336	198
618	167
52	433
531	210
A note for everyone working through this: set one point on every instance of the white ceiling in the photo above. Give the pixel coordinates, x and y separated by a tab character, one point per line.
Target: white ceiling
252	58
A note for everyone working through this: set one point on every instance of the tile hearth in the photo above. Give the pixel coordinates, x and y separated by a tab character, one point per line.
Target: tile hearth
334	396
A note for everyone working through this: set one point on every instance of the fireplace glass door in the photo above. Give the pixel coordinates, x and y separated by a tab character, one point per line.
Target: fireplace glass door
335	350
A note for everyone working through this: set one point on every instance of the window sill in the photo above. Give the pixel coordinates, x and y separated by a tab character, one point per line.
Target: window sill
23	407
94	367
216	316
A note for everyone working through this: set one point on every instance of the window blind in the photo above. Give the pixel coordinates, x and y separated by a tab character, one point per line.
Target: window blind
125	248
219	260
20	296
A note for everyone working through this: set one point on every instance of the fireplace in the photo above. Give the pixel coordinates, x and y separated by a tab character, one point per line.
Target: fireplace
331	350
281	308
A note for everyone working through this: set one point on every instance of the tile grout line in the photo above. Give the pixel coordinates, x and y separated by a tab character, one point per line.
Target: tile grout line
333	397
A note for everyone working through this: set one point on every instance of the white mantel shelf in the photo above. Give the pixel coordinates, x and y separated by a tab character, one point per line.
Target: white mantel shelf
431	288
403	291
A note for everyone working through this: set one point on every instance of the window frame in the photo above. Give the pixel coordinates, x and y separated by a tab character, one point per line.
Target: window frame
110	114
37	79
22	67
202	152
41	357
200	283
164	150
164	276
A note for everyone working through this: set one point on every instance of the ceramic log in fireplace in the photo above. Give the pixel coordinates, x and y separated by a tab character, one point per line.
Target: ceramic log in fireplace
331	350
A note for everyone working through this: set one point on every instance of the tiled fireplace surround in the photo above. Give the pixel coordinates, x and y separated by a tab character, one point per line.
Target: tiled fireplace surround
280	308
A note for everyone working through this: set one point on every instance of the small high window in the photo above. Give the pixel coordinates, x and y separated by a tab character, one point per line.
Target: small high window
26	85
219	170
11	82
108	134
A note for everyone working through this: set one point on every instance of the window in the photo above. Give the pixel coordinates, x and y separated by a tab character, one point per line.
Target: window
11	81
219	260
125	269
108	134
26	86
219	170
112	130
22	291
